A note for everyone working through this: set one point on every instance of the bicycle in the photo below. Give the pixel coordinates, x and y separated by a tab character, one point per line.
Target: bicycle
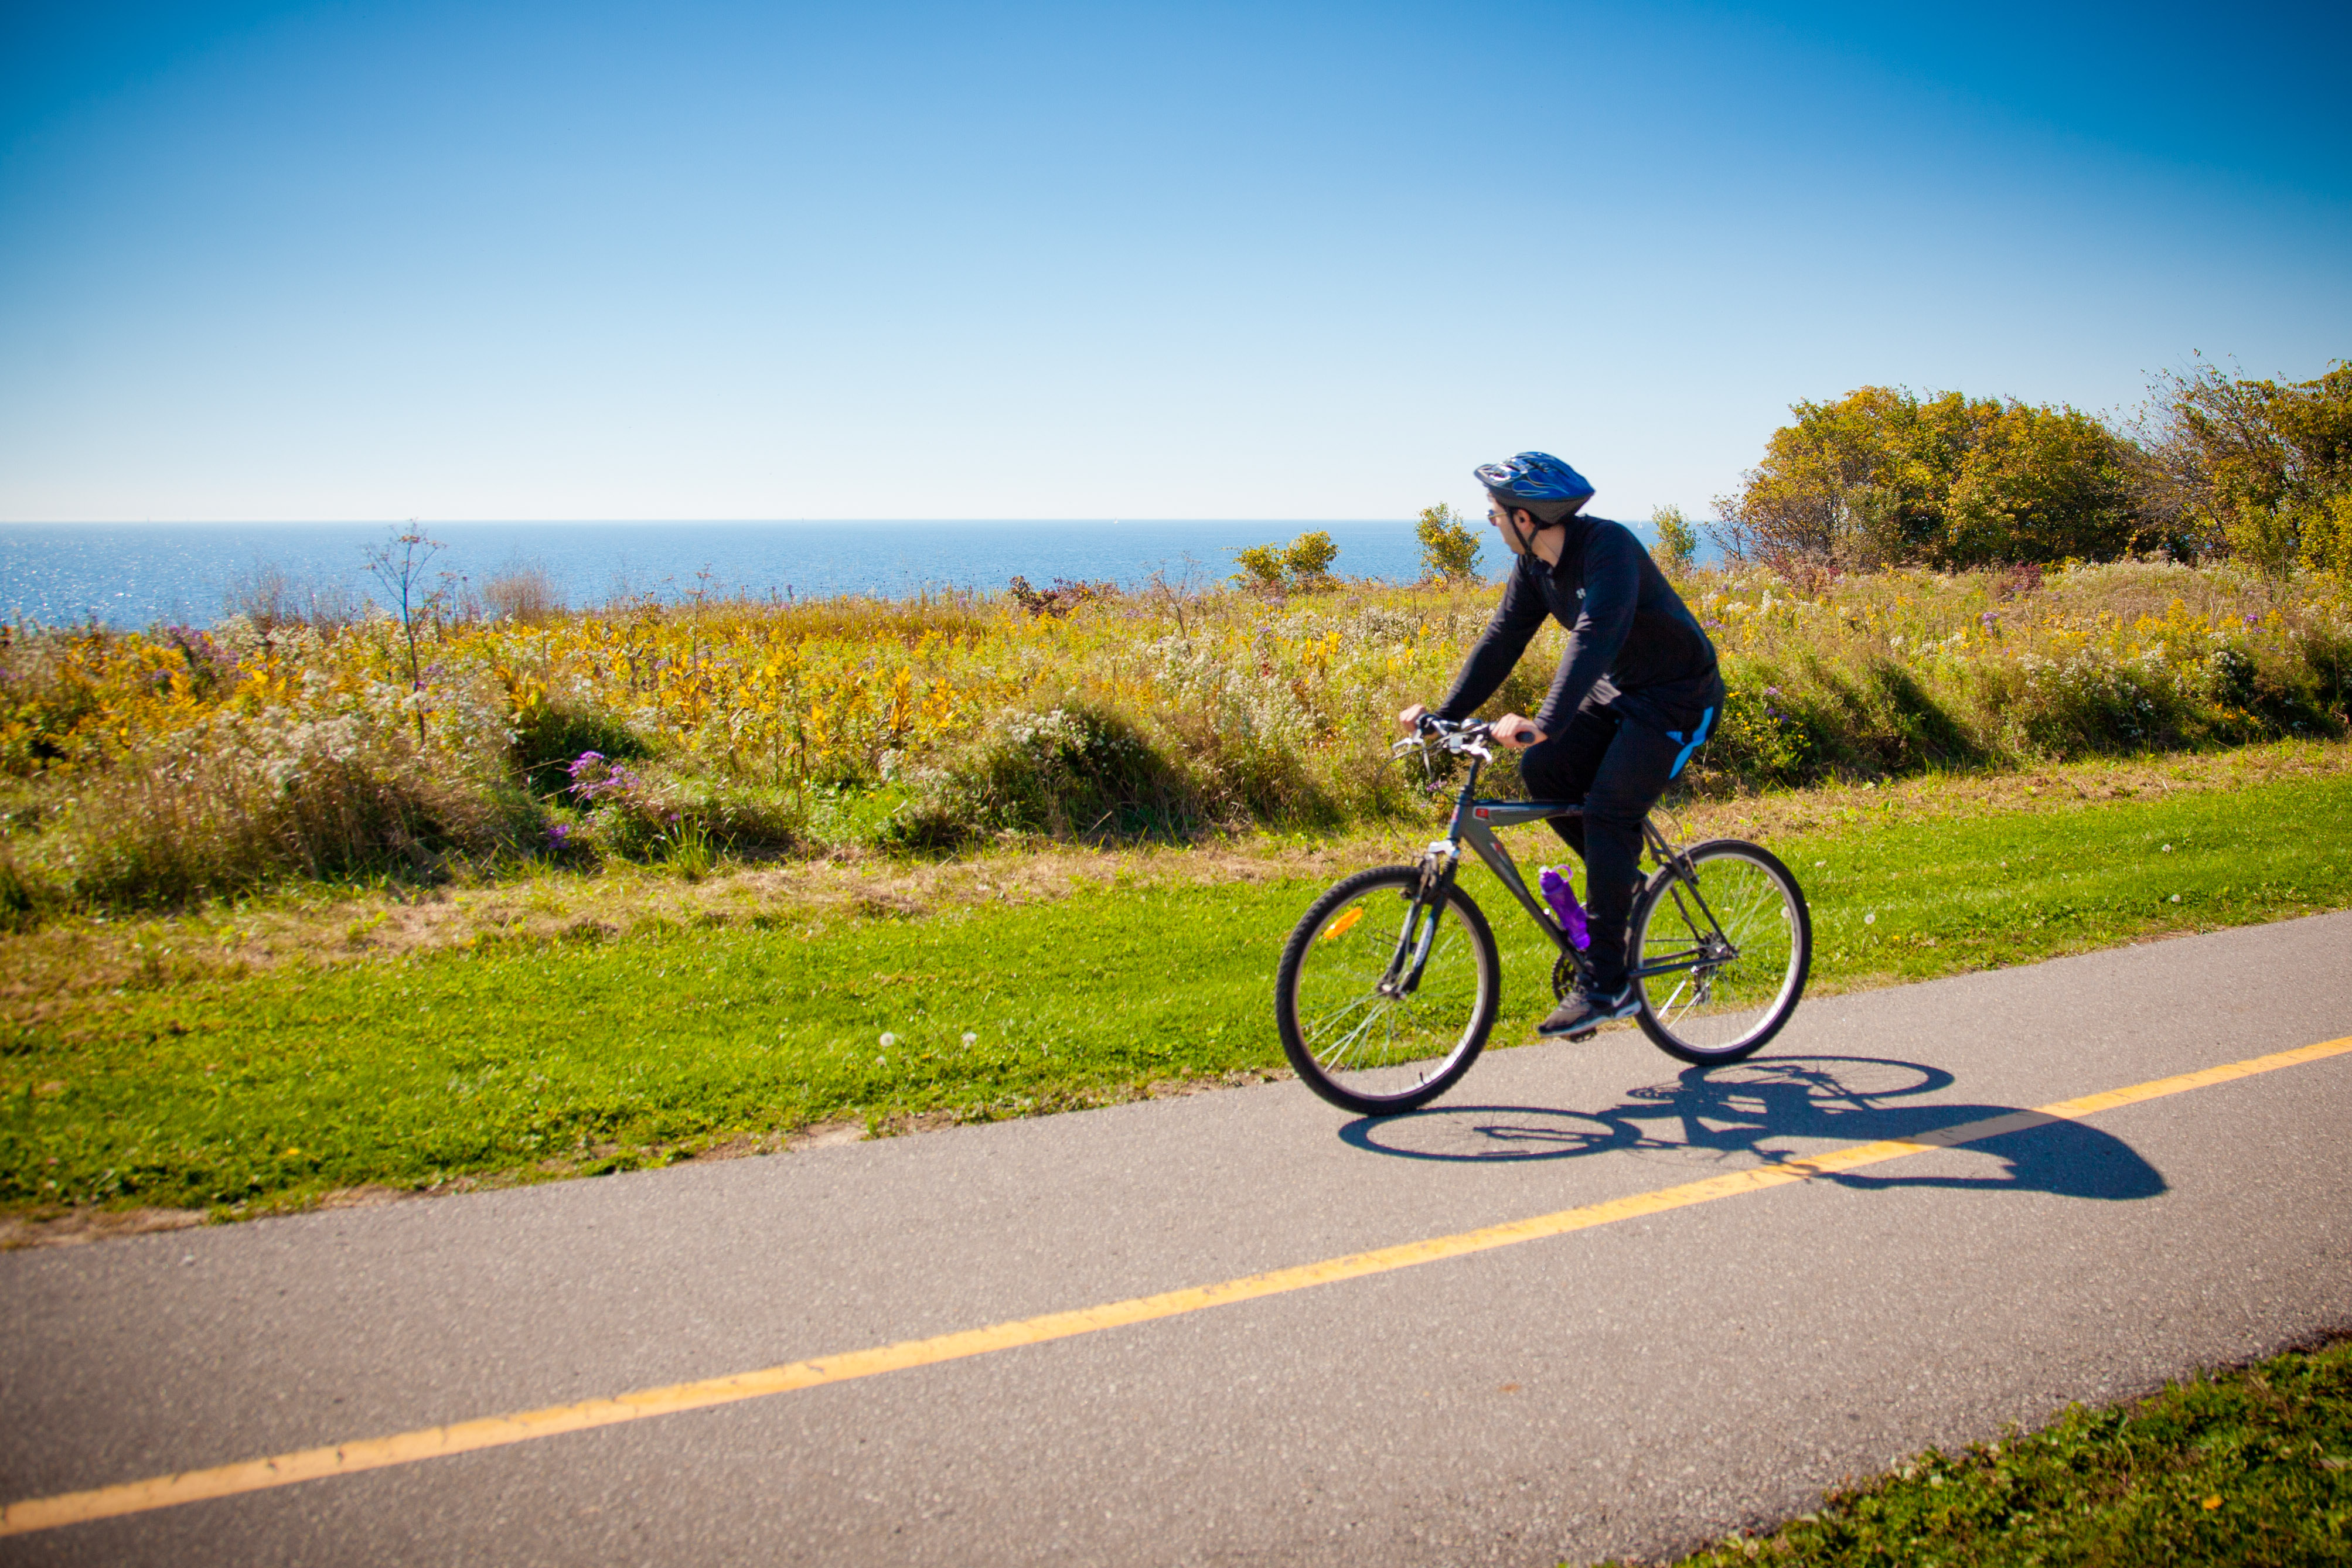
1379	1018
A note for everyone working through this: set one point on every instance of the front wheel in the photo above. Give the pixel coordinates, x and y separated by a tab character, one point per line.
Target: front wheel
1357	1027
1720	957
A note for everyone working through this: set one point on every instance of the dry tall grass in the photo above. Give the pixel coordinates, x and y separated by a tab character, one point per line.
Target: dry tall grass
524	593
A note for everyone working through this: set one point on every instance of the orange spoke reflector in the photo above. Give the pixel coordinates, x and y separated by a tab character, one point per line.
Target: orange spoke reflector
1342	926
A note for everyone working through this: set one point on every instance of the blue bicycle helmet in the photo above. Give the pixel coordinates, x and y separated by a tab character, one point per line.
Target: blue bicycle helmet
1537	482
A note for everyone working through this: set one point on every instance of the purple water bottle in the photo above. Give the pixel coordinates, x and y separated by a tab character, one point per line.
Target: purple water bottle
1561	897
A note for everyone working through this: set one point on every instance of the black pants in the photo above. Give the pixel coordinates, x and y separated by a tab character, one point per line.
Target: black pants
1618	769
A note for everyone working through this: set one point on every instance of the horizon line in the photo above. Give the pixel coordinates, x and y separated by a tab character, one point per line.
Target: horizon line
707	522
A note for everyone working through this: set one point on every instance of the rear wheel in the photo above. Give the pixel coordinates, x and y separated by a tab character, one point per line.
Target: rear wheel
1720	960
1353	1034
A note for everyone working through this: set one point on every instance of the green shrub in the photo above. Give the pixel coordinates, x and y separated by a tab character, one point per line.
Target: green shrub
1304	566
2255	469
2324	658
649	814
1757	742
1074	772
1449	547
1261	567
2326	541
2091	703
48	704
1874	716
1882	477
1678	540
551	736
1308	559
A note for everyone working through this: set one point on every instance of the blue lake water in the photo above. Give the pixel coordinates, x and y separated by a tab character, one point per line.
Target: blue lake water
130	575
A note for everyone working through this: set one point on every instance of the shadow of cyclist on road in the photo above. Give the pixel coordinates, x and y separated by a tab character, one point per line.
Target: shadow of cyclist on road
1774	1109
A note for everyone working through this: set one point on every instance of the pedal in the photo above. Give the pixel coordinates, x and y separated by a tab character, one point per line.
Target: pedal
1581	1035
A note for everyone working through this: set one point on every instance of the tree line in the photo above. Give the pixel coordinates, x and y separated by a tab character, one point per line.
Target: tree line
2214	467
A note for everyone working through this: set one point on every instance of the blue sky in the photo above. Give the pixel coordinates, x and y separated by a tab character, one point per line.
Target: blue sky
1022	260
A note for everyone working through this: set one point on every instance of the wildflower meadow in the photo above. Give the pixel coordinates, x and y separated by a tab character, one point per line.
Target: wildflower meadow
174	764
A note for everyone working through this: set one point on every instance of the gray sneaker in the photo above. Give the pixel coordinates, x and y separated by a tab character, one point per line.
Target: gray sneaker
1584	1012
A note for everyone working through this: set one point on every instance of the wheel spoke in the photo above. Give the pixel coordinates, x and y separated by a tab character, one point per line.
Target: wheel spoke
1758	897
1371	1017
1667	1008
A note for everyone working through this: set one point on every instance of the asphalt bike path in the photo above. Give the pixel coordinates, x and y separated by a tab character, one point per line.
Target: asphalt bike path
1634	1379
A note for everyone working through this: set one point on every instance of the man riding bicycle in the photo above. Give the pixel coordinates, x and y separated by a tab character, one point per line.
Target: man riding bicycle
1637	692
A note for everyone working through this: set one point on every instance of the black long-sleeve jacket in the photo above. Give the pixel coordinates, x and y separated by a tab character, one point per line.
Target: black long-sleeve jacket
1632	645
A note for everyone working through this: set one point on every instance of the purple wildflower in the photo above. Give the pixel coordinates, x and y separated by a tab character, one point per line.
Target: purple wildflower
559	836
592	776
200	650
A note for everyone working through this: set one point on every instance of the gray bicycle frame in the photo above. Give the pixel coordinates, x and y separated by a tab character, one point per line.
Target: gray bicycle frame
1473	823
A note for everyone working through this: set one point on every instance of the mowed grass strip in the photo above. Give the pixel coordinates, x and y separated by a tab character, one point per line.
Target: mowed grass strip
548	1058
1989	892
2251	1466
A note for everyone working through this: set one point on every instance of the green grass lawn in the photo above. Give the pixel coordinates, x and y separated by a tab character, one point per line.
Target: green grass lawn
551	1057
2251	1467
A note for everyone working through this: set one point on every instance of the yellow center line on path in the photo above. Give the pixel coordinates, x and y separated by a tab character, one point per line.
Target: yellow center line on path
495	1431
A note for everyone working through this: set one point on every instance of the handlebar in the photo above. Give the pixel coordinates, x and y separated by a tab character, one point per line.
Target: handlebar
1453	734
1460	736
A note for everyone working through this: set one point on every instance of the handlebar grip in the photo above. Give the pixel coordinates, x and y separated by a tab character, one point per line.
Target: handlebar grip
1524	738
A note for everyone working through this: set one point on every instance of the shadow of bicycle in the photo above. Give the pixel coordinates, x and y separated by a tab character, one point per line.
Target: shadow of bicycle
1737	1114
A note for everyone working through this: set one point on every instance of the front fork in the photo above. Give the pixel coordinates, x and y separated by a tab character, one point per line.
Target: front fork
1438	864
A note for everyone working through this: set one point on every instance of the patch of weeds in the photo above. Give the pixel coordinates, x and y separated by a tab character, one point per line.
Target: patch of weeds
2252	1466
1077	772
549	738
688	849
